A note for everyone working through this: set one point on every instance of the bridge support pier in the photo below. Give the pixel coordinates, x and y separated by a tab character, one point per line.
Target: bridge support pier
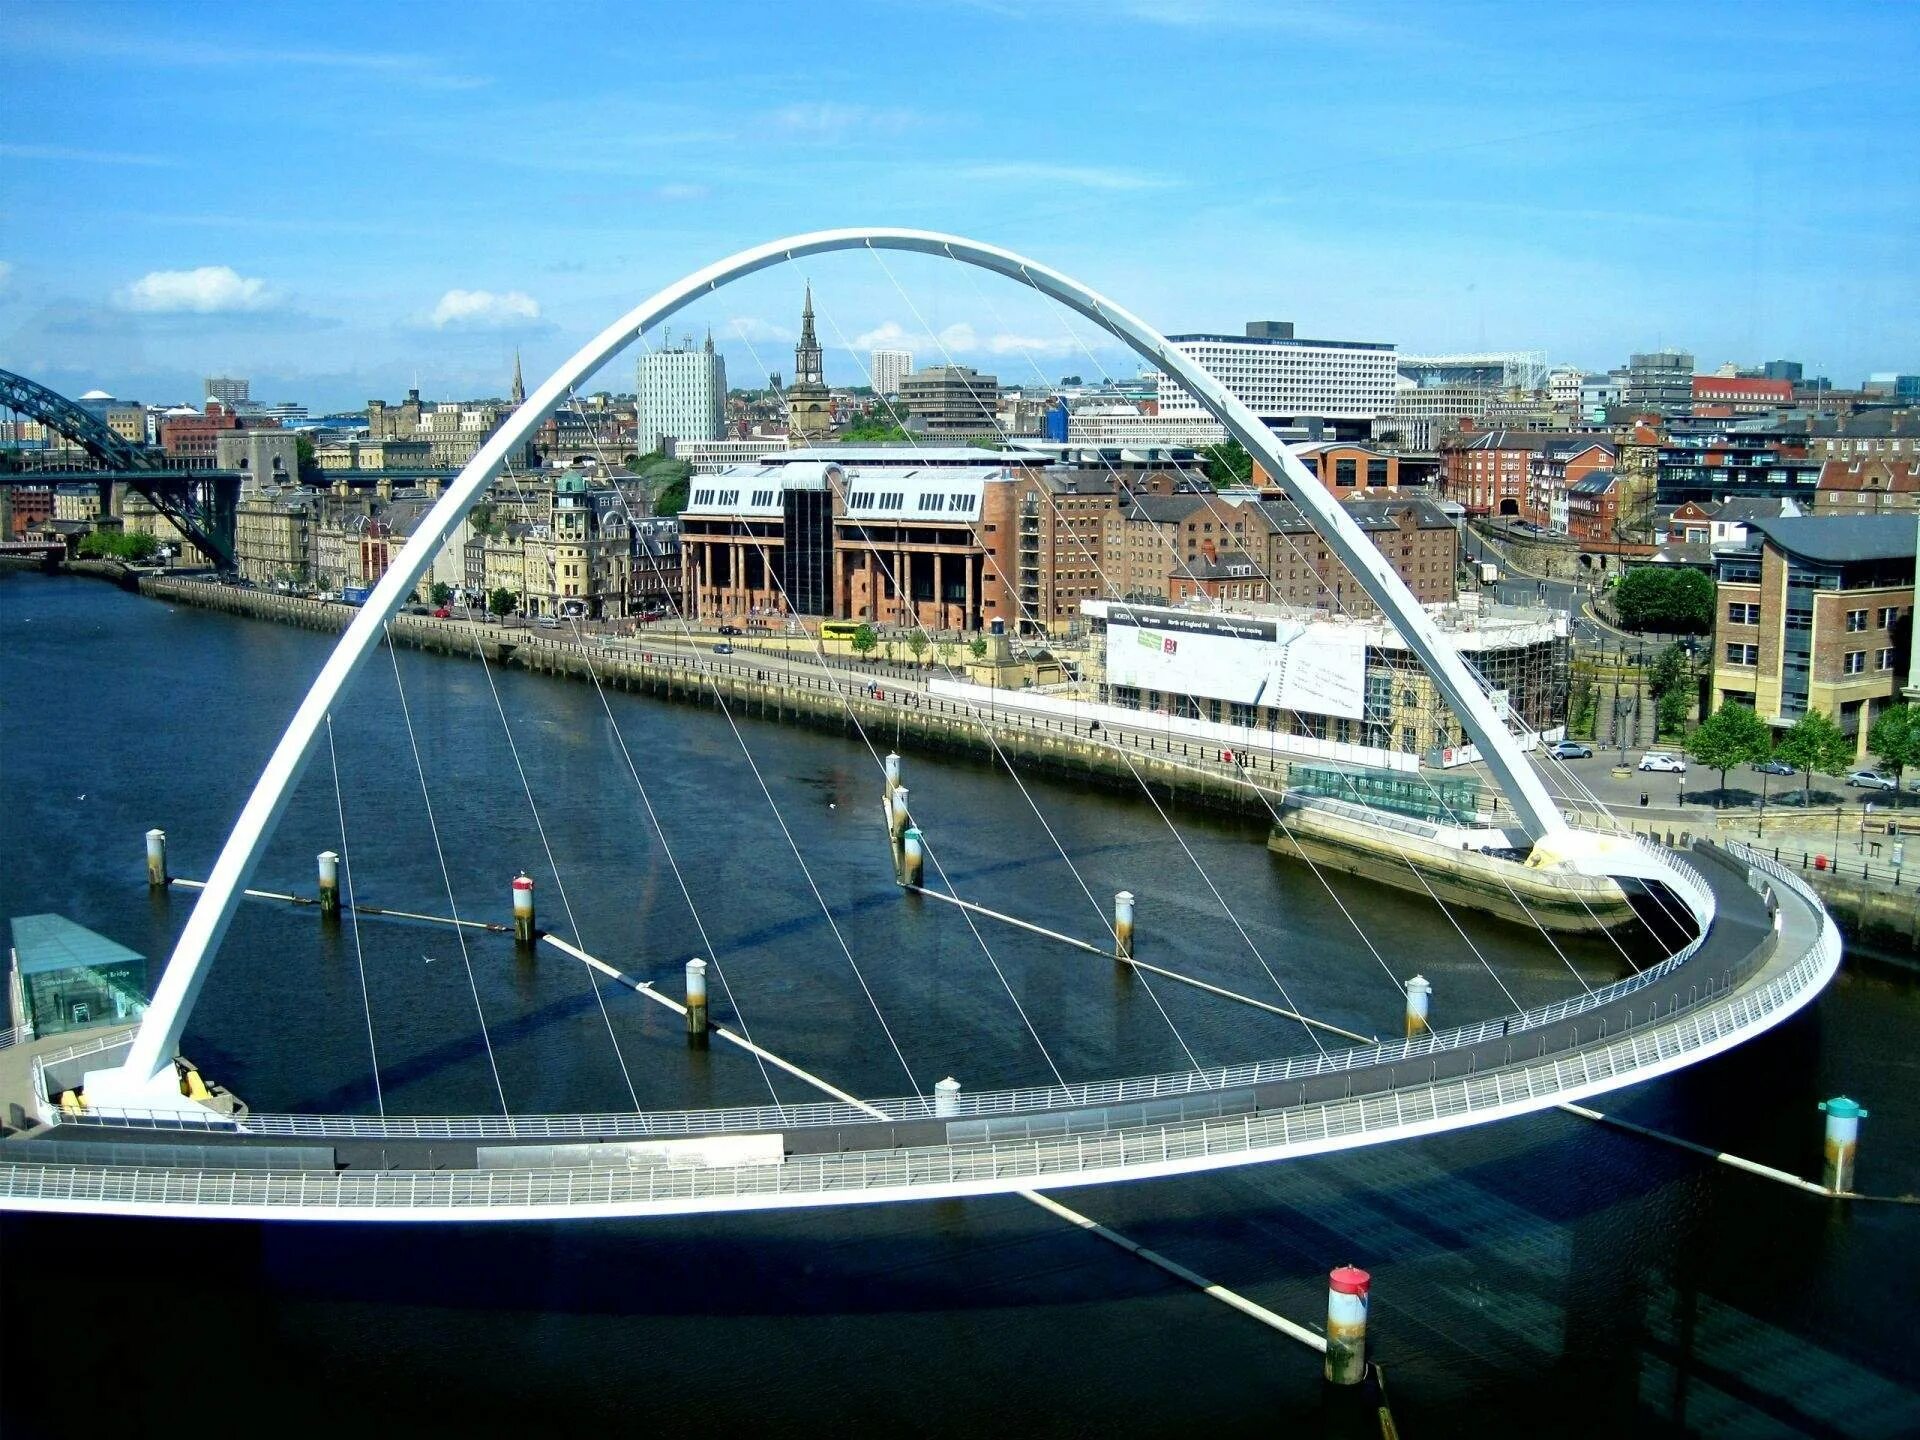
1347	1288
1419	997
946	1098
523	910
1842	1142
912	858
697	1003
329	885
157	859
897	821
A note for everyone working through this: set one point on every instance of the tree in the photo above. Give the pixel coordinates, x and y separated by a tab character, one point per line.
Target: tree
977	647
876	429
1665	598
502	601
442	593
864	640
1895	739
1228	463
1732	735
130	545
917	644
1814	743
305	462
672	498
1672	683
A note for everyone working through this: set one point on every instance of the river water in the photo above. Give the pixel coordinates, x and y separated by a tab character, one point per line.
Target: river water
1540	1277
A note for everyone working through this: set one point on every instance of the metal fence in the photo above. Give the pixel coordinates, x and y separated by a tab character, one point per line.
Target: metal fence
1003	1166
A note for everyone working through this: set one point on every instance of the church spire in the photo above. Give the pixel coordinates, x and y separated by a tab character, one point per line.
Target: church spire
806	355
519	385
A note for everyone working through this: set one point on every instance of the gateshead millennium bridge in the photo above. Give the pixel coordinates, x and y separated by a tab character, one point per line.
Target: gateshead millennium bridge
1757	947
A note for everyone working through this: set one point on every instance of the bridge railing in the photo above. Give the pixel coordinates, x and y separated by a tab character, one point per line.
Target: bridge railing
979	1104
998	1166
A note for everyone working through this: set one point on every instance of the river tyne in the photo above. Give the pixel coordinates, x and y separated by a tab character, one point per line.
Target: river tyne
1544	1276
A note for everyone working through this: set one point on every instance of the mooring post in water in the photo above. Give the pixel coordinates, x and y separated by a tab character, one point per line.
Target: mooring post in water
157	859
892	766
329	884
946	1098
523	909
697	1003
1347	1288
1123	925
897	815
912	858
1843	1142
1419	999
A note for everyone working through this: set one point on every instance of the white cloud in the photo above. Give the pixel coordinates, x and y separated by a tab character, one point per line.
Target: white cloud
756	331
834	120
1086	177
887	336
209	290
675	193
65	155
485	310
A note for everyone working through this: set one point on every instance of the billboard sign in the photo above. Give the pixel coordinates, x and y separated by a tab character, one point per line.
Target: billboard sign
1282	664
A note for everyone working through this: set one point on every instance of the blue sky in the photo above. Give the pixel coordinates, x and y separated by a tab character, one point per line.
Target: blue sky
340	201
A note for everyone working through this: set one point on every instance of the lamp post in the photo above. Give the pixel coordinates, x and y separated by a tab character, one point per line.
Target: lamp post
1760	820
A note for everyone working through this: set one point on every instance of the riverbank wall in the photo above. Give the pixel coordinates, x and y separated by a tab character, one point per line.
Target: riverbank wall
1177	772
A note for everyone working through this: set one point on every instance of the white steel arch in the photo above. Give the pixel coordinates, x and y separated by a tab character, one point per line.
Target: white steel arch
146	1077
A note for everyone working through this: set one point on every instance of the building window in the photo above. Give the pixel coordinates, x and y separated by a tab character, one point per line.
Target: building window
1739	613
1856	662
1856	619
1883	660
1743	654
1888	614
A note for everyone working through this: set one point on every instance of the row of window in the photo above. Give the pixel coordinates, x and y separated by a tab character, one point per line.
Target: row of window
1855	662
1857	619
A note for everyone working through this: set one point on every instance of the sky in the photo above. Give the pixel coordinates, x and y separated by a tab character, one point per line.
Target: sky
341	201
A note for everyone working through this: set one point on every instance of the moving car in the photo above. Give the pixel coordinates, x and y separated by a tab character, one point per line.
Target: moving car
723	648
547	622
1873	780
729	629
1570	750
443	613
1663	763
1775	767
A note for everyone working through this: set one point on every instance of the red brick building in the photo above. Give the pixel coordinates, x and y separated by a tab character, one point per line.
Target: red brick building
1867	486
1346	470
1739	395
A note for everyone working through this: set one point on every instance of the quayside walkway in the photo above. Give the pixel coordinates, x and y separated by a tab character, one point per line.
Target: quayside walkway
1769	951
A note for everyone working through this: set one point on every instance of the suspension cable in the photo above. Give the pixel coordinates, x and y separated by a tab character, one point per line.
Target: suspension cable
353	913
453	907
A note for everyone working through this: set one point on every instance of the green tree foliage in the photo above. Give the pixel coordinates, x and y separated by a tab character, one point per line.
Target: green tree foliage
304	461
502	601
877	428
442	592
1895	739
1672	686
134	546
917	644
1665	598
865	640
1732	735
1228	463
671	498
977	647
1815	743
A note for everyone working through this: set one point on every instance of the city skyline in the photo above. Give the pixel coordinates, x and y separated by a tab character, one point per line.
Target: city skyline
342	218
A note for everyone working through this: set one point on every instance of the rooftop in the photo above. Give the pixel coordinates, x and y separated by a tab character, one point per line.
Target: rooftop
1843	539
43	943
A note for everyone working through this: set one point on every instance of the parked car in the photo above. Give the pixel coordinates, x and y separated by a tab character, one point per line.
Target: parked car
723	648
443	613
1663	763
1775	767
1570	750
547	622
729	629
1872	780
